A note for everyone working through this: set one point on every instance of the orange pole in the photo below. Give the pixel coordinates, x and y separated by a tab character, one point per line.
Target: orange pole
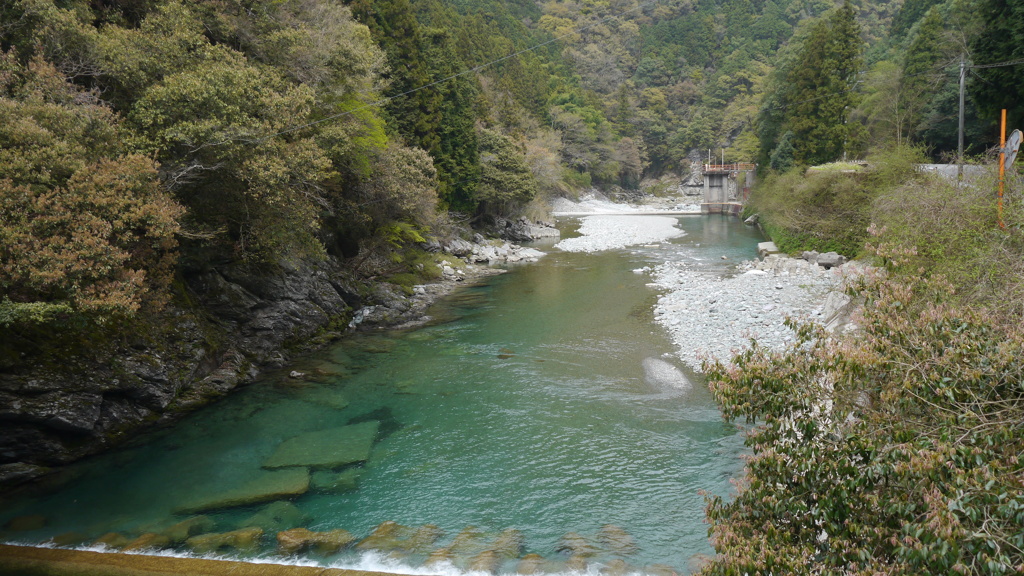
1002	156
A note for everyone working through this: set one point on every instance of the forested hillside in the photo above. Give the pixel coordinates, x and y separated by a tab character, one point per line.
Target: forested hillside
158	155
256	131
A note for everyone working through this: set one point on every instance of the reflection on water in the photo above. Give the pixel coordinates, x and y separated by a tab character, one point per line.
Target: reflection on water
519	431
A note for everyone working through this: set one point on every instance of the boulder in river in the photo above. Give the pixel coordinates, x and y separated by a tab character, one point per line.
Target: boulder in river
487	561
616	540
148	541
508	544
469	542
244	539
262	486
530	564
331	448
298	539
111	540
26	523
577	545
617	567
423	538
188	527
336	482
276	516
386	537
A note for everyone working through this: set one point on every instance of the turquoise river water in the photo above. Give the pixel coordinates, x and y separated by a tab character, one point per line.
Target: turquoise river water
523	405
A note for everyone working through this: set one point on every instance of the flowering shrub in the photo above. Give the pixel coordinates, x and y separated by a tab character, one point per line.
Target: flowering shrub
894	451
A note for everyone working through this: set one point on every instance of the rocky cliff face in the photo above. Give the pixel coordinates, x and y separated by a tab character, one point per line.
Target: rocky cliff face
236	323
51	415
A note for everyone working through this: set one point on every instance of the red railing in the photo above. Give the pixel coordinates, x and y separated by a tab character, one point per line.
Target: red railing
738	167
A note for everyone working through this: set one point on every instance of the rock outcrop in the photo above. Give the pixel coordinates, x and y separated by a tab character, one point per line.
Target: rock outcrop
227	324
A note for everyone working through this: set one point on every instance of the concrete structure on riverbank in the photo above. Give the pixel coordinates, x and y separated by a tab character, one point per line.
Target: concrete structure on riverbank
726	187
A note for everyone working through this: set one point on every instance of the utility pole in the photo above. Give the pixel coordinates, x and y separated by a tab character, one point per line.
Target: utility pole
960	134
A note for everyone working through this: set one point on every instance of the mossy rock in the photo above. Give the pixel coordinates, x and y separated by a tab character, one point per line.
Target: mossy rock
508	544
530	564
276	516
616	540
148	541
112	540
188	527
386	537
325	543
487	561
242	540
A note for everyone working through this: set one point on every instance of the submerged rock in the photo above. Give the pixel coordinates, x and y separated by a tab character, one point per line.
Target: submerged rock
576	563
331	448
468	542
530	564
336	482
386	537
508	544
487	561
326	543
26	523
244	539
69	539
424	537
661	570
277	516
148	541
264	486
616	540
112	540
576	545
617	567
439	556
181	531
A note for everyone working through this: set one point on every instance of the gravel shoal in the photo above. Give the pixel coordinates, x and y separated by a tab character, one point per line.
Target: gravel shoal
715	317
606	232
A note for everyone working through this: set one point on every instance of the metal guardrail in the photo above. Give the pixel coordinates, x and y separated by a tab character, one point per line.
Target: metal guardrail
738	167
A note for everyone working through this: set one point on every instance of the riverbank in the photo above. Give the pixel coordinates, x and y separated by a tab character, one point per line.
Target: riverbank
228	325
711	316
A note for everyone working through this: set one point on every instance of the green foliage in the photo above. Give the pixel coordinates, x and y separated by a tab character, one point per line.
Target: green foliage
506	179
1001	41
830	210
893	452
818	91
84	231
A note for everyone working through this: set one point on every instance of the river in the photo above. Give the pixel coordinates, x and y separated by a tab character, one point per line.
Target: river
524	404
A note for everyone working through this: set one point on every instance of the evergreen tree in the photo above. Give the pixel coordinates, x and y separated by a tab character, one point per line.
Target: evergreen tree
416	115
921	72
1001	40
782	157
821	88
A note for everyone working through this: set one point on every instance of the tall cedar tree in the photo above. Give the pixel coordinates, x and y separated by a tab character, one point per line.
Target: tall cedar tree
922	71
393	25
821	88
1002	40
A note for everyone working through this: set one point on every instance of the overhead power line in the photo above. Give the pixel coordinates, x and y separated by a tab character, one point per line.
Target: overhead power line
998	64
